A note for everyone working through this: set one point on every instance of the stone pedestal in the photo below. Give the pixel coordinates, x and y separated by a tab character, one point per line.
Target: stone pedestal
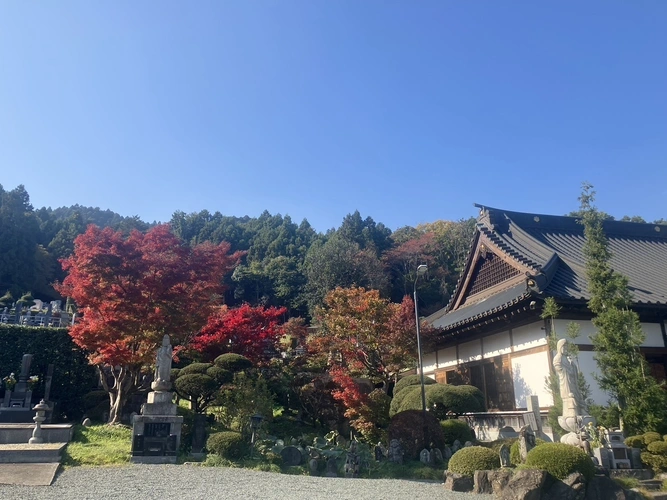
156	433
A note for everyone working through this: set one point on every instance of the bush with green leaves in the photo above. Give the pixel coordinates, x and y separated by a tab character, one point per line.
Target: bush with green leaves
441	399
247	395
649	437
467	460
454	429
411	380
235	363
634	441
227	444
515	451
199	383
560	460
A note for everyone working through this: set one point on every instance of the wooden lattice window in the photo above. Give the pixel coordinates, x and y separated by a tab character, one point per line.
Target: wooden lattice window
489	271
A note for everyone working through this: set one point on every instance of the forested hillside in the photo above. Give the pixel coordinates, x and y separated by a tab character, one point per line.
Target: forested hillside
286	264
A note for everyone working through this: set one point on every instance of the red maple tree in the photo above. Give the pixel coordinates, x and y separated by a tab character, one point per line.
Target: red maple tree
132	291
253	332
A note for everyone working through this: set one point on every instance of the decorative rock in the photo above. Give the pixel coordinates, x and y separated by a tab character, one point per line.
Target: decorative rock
573	487
291	456
86	422
481	483
526	484
499	479
505	456
457	482
604	488
526	441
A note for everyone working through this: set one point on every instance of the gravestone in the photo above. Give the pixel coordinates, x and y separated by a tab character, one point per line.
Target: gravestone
395	452
16	406
332	467
291	456
314	462
156	432
198	436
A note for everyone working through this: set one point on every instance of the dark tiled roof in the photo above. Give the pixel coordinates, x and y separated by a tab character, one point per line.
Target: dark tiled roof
552	248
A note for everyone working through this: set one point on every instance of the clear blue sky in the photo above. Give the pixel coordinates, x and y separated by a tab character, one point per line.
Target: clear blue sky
407	111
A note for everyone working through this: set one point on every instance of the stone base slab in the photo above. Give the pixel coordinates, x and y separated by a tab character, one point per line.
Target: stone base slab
152	460
31	453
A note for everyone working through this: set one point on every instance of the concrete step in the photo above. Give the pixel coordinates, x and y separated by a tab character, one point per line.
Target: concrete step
31	453
651	484
21	433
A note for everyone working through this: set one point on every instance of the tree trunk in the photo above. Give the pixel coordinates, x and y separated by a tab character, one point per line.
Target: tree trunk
123	386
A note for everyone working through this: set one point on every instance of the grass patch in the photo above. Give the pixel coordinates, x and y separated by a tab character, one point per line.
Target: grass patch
627	482
99	445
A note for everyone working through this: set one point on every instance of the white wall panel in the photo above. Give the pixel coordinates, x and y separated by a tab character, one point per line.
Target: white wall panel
588	367
528	336
470	351
429	362
652	331
528	375
653	334
447	357
495	345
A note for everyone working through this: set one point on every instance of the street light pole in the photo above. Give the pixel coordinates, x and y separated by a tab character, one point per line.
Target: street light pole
421	269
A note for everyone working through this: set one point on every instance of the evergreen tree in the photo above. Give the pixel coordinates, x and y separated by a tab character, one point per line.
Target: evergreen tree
623	372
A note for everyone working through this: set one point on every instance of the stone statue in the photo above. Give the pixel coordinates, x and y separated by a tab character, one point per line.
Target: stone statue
395	452
505	456
162	377
526	441
568	379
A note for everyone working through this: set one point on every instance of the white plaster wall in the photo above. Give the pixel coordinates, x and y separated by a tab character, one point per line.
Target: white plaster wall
526	337
429	362
528	375
588	367
470	351
447	357
652	331
495	345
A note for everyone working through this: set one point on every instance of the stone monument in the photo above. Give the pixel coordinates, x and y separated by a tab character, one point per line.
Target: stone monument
17	404
575	413
156	433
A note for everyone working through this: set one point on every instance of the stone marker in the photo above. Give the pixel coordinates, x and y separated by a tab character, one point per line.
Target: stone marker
395	452
436	456
352	461
446	452
456	446
526	441
505	456
291	456
332	467
425	456
314	462
468	444
86	422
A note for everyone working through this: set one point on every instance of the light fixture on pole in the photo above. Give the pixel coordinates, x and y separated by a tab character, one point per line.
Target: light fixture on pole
421	269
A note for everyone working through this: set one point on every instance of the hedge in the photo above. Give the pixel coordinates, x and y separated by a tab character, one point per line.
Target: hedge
467	460
73	376
410	380
560	460
408	427
440	399
227	444
456	429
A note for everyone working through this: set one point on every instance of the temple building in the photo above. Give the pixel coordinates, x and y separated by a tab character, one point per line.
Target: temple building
492	334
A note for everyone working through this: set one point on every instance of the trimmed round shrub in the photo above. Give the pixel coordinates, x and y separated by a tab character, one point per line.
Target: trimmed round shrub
408	427
195	385
560	460
195	368
649	437
227	444
220	375
634	441
658	463
440	399
233	362
467	460
456	429
658	447
411	380
515	452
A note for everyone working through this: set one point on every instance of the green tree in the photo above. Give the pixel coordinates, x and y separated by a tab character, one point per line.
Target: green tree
623	372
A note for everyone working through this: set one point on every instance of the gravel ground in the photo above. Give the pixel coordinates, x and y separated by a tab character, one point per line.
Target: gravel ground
189	482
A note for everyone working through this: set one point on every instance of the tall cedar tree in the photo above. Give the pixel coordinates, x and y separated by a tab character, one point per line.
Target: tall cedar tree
132	291
253	332
623	371
362	335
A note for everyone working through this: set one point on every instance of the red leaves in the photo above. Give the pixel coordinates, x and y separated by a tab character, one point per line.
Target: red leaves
252	332
134	290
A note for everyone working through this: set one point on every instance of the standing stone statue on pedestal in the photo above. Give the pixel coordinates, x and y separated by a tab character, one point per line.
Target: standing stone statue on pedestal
575	412
157	431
